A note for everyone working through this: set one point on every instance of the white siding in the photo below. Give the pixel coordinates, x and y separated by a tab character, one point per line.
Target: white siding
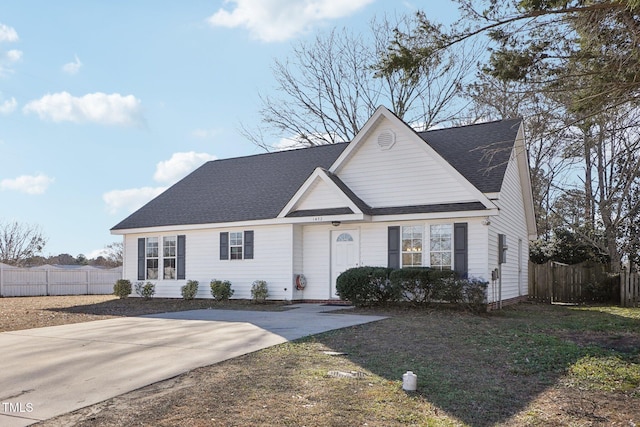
511	222
320	196
403	175
273	250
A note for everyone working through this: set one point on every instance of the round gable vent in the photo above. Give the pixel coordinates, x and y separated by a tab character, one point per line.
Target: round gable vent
386	139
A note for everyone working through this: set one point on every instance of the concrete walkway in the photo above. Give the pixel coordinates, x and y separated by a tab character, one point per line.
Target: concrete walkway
51	371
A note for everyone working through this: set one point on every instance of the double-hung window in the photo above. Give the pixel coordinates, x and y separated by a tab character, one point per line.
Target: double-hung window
441	246
169	245
235	245
151	257
412	237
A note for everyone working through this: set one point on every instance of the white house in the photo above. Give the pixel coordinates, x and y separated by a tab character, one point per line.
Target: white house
391	197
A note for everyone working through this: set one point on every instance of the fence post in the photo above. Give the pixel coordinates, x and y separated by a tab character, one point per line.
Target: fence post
88	281
46	278
624	288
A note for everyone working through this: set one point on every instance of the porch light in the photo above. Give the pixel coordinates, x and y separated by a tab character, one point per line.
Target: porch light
335	223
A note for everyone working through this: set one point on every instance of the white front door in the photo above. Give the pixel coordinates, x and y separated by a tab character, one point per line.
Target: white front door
345	254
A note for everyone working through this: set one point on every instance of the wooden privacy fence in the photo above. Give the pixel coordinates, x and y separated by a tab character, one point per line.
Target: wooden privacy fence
629	289
18	282
579	283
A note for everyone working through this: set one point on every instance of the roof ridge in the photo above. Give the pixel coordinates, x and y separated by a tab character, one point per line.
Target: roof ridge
278	152
471	125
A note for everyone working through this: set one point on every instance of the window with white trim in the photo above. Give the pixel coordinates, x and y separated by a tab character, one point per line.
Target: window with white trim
441	246
411	242
169	256
235	245
151	257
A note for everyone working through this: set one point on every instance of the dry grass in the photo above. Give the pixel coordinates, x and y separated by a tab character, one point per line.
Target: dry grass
526	365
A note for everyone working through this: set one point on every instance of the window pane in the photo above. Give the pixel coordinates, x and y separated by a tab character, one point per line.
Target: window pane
235	239
345	237
152	269
441	244
169	270
412	246
169	246
152	247
236	252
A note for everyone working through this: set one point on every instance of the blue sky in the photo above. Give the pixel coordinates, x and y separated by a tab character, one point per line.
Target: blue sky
105	104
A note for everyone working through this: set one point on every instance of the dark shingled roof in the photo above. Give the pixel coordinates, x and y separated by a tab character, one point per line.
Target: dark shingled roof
237	189
479	152
258	187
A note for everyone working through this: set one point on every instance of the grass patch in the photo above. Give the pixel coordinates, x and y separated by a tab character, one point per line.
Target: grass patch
525	365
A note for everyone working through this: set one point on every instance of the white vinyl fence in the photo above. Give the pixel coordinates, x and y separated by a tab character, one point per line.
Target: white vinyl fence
20	282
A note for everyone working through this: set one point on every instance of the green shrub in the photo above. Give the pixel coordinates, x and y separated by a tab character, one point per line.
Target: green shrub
475	294
364	286
221	290
354	285
122	288
259	291
383	290
413	284
449	289
145	290
189	290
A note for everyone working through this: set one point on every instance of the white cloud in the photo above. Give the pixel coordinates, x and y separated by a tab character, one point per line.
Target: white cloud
279	20
131	199
14	55
179	165
167	172
8	106
8	34
113	109
30	184
72	67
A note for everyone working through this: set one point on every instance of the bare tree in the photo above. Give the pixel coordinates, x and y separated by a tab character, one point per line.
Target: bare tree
329	88
19	242
114	253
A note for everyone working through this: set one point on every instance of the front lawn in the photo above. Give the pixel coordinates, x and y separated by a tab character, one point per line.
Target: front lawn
529	364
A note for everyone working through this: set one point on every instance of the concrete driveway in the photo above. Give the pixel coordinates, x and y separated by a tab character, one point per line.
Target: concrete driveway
50	371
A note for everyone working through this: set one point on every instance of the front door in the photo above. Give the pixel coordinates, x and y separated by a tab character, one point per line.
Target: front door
345	254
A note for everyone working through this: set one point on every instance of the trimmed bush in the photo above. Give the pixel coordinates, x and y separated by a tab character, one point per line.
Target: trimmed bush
145	290
189	290
413	284
259	291
221	290
364	286
122	288
474	293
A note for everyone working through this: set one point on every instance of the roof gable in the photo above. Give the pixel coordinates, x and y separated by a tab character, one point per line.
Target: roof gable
388	164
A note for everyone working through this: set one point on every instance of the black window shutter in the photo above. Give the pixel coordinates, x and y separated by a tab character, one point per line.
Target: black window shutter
393	252
460	251
248	244
141	258
224	245
180	264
